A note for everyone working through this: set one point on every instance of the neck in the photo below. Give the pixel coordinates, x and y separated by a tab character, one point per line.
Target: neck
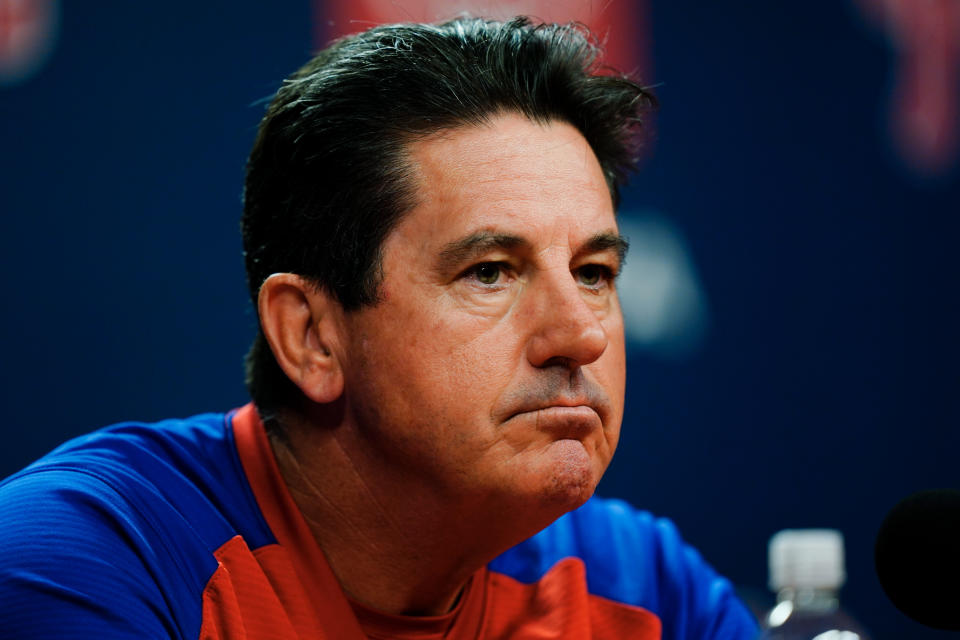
394	544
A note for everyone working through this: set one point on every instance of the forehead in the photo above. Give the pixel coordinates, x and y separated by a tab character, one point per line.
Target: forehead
509	174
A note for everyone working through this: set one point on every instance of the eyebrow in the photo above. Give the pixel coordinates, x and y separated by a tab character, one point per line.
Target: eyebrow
604	241
477	244
481	242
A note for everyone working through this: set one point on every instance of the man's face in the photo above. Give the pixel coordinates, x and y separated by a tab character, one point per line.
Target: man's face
493	368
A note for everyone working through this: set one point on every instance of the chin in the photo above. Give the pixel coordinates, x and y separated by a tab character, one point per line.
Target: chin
573	477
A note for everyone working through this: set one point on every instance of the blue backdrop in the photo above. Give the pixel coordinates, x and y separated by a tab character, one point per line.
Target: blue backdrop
822	386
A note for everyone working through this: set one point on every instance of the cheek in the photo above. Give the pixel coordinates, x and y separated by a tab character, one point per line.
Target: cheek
439	362
611	372
473	360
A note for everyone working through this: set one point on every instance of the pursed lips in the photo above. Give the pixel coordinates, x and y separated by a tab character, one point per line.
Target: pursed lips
560	401
565	419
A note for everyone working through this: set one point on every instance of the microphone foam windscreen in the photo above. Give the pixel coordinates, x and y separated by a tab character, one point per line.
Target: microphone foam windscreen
917	557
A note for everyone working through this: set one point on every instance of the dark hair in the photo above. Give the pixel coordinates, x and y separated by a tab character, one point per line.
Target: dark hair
328	179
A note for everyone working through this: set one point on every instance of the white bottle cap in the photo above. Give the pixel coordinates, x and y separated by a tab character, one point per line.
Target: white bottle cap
806	559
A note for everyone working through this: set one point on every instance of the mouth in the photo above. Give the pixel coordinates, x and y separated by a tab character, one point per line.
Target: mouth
561	403
563	421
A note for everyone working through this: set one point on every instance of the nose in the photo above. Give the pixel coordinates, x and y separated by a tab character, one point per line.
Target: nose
566	330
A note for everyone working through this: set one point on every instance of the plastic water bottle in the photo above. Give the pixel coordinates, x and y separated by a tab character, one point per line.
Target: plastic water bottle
806	572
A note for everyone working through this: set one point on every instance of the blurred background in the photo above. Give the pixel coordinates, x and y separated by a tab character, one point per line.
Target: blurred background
791	294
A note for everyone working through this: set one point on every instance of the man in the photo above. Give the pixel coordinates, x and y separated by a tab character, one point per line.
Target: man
438	382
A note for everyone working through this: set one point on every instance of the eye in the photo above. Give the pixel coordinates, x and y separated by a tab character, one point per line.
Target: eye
594	276
487	272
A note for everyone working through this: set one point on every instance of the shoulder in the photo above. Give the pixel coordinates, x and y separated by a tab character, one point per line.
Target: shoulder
184	467
109	527
635	558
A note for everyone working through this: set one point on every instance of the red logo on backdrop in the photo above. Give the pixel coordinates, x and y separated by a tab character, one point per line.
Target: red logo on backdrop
621	25
28	29
924	110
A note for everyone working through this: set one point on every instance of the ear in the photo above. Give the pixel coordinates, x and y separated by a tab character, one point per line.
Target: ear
301	325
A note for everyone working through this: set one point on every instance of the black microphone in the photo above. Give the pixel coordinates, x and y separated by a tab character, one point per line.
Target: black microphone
917	557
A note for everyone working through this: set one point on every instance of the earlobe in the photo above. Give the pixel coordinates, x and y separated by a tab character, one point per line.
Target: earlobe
300	324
